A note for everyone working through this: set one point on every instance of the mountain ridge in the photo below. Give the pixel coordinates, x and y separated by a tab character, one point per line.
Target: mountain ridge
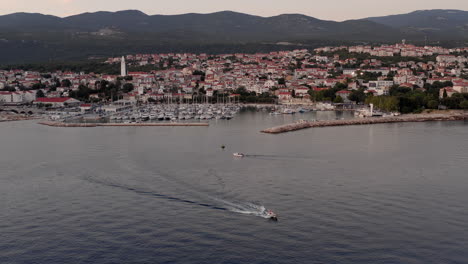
105	33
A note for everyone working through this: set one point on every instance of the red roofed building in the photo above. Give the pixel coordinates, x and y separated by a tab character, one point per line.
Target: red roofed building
317	89
301	91
373	92
460	86
450	91
57	101
407	85
284	96
85	107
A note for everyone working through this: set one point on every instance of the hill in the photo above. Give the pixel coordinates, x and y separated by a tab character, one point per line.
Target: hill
28	37
436	24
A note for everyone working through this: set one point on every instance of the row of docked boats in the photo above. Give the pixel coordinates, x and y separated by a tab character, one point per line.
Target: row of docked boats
290	111
177	112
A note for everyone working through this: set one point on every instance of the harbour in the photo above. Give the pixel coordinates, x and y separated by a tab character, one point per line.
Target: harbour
63	124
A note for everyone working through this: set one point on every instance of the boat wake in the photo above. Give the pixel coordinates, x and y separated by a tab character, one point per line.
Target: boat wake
276	157
247	209
216	204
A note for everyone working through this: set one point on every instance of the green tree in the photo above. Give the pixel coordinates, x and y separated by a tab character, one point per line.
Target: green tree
398	90
464	104
433	104
128	87
357	96
66	83
81	94
340	86
338	100
452	102
40	94
37	86
387	103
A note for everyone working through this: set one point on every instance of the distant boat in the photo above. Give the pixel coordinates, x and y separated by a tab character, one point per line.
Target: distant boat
272	215
239	155
288	111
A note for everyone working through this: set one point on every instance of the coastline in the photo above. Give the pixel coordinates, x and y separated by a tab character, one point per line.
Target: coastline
9	118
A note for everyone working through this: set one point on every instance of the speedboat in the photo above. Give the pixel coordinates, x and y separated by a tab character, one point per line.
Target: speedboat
238	155
272	215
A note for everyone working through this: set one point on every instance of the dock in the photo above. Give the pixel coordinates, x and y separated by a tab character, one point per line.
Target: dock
367	121
62	124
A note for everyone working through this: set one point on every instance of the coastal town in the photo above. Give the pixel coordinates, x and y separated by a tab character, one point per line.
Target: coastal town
326	78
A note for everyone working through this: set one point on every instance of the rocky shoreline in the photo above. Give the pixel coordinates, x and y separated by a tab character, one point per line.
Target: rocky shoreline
11	118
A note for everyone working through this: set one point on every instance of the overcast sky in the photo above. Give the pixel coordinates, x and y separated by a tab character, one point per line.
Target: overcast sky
324	9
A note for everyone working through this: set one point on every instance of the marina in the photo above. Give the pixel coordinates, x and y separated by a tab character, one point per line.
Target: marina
173	112
63	124
138	115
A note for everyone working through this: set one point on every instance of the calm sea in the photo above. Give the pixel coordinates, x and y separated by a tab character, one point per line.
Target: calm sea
389	193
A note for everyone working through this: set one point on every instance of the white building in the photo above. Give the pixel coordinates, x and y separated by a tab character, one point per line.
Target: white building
17	97
381	87
57	101
123	67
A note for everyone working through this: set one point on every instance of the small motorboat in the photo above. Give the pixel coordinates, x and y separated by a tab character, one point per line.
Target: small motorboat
272	215
239	155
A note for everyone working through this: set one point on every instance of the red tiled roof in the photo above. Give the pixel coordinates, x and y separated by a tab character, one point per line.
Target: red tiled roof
320	89
409	85
53	100
448	89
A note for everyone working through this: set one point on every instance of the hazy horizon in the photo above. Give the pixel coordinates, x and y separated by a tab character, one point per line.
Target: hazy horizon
325	10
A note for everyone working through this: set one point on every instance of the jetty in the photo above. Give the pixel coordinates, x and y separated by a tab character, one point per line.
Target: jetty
63	124
368	121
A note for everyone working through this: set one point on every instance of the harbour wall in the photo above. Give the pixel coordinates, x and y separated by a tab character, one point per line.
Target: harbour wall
367	121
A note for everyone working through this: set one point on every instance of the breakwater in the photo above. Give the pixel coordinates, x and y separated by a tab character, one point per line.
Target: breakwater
368	121
62	124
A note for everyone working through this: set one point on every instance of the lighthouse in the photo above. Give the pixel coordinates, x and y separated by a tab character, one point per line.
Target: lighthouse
123	67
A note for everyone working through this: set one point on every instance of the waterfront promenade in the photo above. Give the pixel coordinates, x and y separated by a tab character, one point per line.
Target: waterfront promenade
451	116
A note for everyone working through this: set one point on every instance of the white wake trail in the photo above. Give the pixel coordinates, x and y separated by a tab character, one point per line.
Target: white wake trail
244	208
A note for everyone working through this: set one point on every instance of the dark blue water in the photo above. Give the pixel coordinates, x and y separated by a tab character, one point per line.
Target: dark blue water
390	193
